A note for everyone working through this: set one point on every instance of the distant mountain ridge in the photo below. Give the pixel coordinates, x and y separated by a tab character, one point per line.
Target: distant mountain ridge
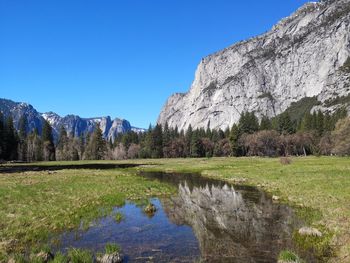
72	123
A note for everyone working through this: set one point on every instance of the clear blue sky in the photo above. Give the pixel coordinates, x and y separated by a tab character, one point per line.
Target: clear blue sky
121	58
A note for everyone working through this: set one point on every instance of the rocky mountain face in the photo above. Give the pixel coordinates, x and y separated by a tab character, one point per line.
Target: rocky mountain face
305	55
72	123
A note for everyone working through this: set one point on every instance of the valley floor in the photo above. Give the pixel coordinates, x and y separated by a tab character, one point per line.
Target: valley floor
34	204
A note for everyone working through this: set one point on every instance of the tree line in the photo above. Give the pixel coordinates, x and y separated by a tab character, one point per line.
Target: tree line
317	133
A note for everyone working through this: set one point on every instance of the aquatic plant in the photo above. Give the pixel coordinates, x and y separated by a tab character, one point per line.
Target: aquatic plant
119	217
111	248
79	256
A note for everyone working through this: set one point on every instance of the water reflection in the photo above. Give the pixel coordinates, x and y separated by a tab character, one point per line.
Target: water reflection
206	221
232	224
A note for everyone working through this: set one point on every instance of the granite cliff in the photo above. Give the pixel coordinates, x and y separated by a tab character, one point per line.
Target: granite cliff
306	55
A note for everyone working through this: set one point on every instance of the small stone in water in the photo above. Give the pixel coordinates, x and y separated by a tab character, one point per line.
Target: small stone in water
150	209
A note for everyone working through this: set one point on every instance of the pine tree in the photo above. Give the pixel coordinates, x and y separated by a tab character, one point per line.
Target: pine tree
196	146
284	124
328	125
265	124
62	145
306	123
320	123
22	147
10	138
234	137
48	144
2	142
248	123
166	136
99	144
188	139
314	121
157	142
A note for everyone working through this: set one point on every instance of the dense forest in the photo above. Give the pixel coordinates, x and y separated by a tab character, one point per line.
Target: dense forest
316	134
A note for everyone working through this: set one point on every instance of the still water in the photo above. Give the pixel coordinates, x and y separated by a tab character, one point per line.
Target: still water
205	221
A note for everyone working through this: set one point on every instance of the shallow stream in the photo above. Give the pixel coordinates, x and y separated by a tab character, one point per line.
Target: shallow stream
205	221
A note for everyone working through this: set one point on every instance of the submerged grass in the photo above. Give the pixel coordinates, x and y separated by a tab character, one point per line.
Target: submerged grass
119	217
34	204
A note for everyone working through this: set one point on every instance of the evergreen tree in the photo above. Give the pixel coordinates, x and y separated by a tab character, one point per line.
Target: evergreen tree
62	145
328	125
265	124
248	123
22	147
166	136
2	142
97	144
23	127
306	123
284	124
234	137
146	144
188	140
320	123
196	146
48	144
314	121
157	142
10	140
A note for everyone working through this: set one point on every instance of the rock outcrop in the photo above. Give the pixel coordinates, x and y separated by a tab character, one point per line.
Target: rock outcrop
305	55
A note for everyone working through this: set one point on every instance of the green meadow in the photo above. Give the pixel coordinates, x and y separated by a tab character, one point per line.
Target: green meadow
36	204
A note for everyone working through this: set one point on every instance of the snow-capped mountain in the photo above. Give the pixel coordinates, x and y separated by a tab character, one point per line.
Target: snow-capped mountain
72	123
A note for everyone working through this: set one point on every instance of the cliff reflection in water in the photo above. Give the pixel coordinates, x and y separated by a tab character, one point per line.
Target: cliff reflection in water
232	224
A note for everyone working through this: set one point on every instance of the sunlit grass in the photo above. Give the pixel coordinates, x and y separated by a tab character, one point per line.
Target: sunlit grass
35	204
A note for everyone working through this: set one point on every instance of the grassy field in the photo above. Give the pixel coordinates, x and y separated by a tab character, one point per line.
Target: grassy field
34	204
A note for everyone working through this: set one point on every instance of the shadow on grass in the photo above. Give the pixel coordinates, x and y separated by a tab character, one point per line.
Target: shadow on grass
93	166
